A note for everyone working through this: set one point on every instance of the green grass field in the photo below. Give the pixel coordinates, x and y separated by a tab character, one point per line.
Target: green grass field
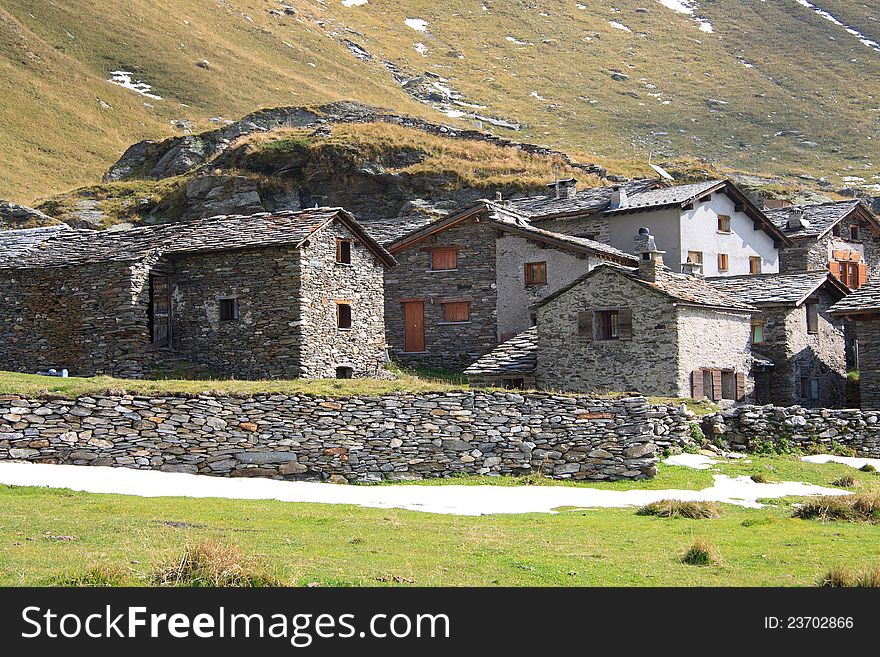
49	537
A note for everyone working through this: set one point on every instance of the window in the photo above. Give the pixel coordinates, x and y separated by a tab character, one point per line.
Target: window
836	230
607	325
457	311
754	264
696	257
444	259
728	384
344	372
723	223
757	331
854	232
809	386
718	384
343	315
343	252
852	274
536	274
228	310
722	262
812	317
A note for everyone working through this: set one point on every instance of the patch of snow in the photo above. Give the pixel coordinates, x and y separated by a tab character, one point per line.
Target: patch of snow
123	79
455	114
696	461
455	500
705	26
873	45
688	7
619	26
417	24
535	94
354	3
421	48
852	461
513	39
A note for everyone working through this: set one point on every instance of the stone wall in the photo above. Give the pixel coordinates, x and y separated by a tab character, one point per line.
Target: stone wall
451	346
88	319
397	436
747	426
868	334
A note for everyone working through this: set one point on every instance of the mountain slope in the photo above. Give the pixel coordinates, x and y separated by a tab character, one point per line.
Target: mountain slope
775	88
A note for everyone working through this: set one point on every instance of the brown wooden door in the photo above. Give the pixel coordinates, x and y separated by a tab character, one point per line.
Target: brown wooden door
160	306
414	326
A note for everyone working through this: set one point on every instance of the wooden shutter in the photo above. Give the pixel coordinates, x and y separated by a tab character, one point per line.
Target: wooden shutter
716	384
697	384
585	324
740	386
863	273
457	311
624	324
444	258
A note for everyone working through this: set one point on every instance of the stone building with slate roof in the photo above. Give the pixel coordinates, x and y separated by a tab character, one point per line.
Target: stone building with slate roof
799	345
841	236
282	295
711	223
862	307
466	282
644	329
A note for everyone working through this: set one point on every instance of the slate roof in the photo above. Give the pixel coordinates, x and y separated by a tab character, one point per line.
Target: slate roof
15	243
821	216
518	355
220	233
864	300
665	196
776	289
686	289
585	201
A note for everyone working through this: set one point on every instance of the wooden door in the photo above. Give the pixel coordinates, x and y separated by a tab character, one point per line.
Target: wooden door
160	306
414	326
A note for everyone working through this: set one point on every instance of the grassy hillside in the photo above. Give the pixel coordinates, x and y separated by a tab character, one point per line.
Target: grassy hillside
775	88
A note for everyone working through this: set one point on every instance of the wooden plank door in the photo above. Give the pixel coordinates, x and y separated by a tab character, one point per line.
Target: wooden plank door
414	326
160	304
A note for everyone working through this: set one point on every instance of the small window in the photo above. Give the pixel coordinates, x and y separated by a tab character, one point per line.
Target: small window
536	274
457	311
444	259
836	230
343	252
344	372
695	257
607	325
812	318
228	310
723	223
722	262
728	384
809	386
755	264
757	331
343	315
854	232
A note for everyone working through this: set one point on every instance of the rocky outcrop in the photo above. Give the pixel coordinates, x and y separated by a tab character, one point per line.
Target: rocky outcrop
13	215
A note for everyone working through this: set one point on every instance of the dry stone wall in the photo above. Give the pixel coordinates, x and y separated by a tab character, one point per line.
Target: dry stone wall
396	437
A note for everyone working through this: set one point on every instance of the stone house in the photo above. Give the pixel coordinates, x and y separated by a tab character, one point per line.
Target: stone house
466	282
798	345
645	329
842	237
862	308
712	224
283	295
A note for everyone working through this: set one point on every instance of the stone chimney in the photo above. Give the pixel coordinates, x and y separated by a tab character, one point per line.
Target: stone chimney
650	259
565	188
619	198
796	219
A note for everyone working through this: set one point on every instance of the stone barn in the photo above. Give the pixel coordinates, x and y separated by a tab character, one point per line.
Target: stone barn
282	295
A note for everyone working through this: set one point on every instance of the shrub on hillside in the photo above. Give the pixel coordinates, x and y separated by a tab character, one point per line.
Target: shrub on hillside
702	553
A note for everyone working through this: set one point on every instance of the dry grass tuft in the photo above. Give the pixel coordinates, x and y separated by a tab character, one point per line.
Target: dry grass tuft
211	563
847	481
679	509
840	577
702	553
852	508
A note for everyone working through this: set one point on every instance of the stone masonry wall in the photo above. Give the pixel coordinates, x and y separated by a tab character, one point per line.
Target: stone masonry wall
868	334
397	436
451	346
88	319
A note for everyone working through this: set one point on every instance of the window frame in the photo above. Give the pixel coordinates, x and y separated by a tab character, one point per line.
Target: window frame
723	258
854	232
758	323
724	219
446	306
234	309
444	249
812	317
699	261
340	315
529	269
341	244
612	325
756	264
